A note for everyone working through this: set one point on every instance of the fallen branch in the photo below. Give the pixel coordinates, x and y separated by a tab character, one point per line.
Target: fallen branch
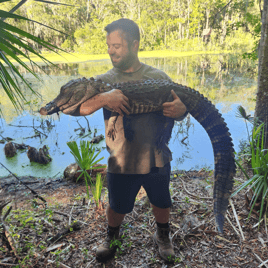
75	227
88	128
9	237
55	247
6	214
70	217
3	205
262	262
33	192
146	230
232	225
90	262
265	219
28	127
257	223
59	264
237	220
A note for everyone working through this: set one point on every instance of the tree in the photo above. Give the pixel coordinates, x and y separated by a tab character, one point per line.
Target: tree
15	42
261	110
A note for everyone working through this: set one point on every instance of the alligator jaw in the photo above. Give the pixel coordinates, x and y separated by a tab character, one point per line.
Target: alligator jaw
50	108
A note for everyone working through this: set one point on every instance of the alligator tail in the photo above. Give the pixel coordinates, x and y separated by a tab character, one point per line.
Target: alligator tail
209	117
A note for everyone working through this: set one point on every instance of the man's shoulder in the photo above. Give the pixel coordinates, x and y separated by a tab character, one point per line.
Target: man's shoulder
150	72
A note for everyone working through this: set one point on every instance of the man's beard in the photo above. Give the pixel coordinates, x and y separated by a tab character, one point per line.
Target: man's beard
125	63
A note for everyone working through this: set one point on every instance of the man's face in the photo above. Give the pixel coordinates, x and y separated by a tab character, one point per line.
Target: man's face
121	57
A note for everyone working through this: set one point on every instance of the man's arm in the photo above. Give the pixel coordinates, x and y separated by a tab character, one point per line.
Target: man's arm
113	100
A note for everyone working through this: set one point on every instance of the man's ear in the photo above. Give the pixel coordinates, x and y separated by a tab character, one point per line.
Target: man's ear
135	45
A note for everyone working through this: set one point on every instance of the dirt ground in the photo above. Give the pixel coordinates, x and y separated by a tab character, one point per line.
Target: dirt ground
196	242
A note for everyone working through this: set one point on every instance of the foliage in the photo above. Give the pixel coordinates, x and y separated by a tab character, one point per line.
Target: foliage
259	165
30	220
16	44
85	158
167	24
244	154
254	19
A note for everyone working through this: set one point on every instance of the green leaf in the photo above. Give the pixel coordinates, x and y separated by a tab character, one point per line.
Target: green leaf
241	113
255	197
29	219
245	184
54	3
2	1
96	190
264	190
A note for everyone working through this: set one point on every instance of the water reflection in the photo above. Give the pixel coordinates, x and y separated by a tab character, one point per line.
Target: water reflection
227	80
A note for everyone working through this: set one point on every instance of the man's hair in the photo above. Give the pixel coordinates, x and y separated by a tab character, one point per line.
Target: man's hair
129	28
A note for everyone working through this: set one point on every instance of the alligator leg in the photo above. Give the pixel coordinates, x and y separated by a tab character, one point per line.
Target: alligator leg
111	125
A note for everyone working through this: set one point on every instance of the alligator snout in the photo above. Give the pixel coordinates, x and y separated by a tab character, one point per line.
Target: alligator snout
43	111
50	108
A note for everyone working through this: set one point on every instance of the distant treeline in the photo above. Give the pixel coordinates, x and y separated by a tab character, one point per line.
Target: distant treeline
164	24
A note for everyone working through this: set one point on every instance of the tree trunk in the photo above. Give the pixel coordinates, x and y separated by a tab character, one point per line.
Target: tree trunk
261	110
207	17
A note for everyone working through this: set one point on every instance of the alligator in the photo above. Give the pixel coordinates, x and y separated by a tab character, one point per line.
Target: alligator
148	96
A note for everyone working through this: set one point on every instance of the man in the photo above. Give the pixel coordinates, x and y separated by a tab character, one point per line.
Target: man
138	156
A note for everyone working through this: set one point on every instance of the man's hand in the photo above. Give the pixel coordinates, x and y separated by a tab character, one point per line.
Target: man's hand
175	108
117	101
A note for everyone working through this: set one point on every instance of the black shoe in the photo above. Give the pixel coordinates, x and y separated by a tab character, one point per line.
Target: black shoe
165	247
108	248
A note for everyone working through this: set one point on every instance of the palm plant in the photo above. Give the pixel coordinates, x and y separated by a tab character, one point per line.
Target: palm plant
85	158
259	164
15	46
241	113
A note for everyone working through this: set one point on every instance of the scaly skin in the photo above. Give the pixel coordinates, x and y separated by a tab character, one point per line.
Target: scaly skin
148	96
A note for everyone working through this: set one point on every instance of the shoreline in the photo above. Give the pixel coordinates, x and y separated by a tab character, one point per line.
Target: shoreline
76	57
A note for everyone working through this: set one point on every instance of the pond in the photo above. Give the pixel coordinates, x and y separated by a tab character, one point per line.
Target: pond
227	80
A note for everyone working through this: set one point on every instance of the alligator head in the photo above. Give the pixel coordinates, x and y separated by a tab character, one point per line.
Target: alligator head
73	94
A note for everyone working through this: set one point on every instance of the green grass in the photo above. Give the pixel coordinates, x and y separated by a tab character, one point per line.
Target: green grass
76	57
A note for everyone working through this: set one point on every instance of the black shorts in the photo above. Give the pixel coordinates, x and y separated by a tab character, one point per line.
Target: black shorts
123	188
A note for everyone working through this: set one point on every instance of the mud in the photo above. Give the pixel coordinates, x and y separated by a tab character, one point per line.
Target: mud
10	186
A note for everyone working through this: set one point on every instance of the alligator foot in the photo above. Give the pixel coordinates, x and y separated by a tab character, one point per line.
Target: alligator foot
111	133
111	125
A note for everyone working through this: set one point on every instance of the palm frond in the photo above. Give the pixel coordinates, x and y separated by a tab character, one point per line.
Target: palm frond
241	113
54	3
2	1
15	46
17	7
